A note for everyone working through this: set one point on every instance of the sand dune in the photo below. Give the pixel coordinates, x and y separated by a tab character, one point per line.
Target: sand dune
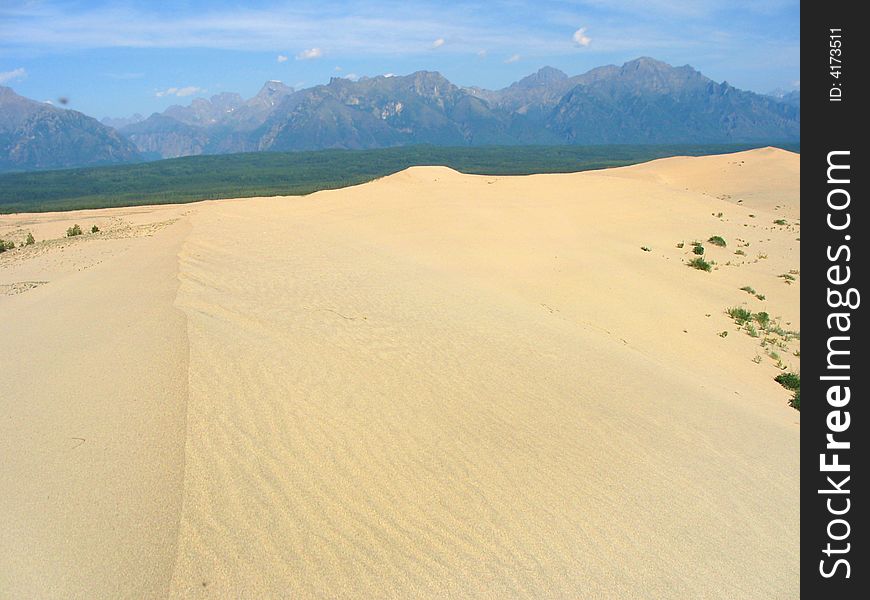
431	385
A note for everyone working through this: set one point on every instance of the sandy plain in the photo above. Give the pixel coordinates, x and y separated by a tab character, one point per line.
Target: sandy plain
432	385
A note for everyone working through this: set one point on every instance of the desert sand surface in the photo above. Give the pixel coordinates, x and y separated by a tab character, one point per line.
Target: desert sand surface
433	385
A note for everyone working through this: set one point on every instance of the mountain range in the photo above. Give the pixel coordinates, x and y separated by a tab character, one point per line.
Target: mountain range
644	101
36	135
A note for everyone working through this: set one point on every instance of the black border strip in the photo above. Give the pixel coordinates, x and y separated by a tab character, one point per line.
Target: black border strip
833	252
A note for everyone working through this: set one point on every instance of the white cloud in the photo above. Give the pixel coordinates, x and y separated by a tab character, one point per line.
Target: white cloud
481	54
309	54
512	59
18	73
389	74
580	38
352	76
189	90
438	43
281	58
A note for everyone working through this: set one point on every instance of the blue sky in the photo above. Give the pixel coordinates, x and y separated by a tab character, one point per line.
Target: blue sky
113	58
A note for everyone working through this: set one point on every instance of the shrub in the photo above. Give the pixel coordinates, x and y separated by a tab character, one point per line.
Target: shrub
763	319
646	248
740	252
750	329
700	264
740	314
795	402
699	249
95	229
790	381
30	239
748	289
73	231
717	241
6	245
681	244
760	296
780	222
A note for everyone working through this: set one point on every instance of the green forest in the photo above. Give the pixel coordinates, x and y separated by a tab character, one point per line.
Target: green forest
297	173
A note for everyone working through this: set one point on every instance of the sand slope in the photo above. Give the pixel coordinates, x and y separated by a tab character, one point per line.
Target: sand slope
432	385
94	382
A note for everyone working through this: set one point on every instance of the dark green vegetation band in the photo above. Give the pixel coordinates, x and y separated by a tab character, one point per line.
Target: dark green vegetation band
296	173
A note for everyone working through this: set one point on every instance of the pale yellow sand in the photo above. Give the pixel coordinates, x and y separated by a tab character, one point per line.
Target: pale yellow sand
432	385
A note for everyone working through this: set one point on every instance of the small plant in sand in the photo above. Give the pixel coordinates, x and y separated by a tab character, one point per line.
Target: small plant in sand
723	334
681	244
760	296
795	402
763	319
739	253
73	231
30	240
791	381
700	264
739	314
788	277
780	222
699	249
95	229
6	245
717	240
646	248
786	334
748	289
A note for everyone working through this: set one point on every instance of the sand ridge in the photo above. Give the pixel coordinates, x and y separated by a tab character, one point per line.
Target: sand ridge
435	385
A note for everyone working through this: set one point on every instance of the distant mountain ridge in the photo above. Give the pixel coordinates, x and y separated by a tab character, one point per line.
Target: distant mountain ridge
644	101
36	135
